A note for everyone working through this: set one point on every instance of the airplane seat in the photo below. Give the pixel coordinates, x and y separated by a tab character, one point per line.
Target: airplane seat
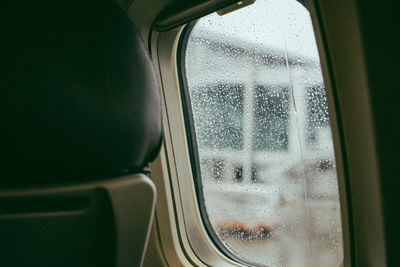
80	123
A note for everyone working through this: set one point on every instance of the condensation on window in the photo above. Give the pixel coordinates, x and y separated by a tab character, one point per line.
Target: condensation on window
261	120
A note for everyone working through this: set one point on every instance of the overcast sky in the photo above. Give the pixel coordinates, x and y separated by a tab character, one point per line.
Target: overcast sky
266	23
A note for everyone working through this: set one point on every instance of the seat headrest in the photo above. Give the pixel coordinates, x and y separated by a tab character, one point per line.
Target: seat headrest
79	98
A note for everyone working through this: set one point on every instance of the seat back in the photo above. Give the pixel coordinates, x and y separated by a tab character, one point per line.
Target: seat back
104	223
80	114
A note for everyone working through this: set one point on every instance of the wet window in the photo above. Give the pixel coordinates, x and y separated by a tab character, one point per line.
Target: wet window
317	112
218	111
266	173
271	118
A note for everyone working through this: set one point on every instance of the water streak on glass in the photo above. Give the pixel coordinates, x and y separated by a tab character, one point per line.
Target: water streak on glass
264	140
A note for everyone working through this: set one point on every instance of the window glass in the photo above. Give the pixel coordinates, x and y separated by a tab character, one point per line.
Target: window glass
222	105
267	179
271	110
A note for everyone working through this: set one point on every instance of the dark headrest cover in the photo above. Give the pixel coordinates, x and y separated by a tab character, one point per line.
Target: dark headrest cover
79	98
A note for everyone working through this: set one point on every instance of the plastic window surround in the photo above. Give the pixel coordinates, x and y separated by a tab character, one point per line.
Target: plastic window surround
191	242
191	138
185	232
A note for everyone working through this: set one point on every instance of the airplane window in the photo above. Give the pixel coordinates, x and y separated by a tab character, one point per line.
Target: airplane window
263	153
213	104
